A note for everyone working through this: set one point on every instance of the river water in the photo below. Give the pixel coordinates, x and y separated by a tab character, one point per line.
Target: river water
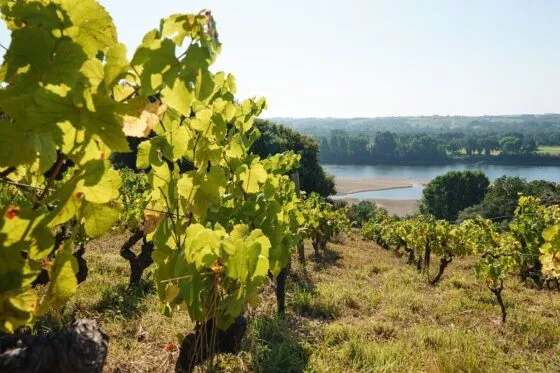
551	173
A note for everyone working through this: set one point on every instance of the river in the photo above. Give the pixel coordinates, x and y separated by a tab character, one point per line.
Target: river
551	173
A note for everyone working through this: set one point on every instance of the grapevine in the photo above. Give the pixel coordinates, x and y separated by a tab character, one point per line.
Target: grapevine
322	222
58	107
217	226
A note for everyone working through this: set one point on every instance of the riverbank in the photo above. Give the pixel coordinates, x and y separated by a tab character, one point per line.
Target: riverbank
349	186
400	207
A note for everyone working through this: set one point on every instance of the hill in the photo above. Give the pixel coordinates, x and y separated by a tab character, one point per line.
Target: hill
527	123
357	309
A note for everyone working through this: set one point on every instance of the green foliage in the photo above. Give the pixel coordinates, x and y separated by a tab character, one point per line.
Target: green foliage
550	251
502	196
496	250
448	194
276	138
321	222
373	228
429	140
361	212
532	245
134	192
527	227
231	216
58	105
534	227
218	226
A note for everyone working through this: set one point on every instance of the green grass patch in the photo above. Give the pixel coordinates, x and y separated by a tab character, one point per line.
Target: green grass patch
554	150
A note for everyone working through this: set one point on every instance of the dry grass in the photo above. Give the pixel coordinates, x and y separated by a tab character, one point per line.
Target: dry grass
358	309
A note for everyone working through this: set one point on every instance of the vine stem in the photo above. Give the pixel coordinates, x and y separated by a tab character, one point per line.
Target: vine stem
59	163
7	171
186	277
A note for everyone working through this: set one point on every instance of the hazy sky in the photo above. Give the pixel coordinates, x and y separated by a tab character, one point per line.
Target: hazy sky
378	58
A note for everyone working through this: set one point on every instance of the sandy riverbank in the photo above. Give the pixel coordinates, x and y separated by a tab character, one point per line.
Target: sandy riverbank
347	186
393	206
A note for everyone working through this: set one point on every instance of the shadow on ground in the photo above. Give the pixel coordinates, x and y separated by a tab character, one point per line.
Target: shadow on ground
326	259
275	347
124	300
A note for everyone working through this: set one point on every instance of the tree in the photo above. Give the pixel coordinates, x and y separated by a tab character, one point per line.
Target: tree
384	145
511	144
448	194
502	195
530	146
276	139
423	147
359	213
325	153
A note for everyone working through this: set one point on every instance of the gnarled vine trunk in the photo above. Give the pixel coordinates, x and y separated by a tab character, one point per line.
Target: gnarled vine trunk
443	263
207	340
80	348
301	252
410	255
427	254
81	275
315	244
498	293
138	263
419	265
281	290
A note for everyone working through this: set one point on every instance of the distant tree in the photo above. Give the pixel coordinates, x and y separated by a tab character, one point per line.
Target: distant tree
358	149
384	146
511	144
361	212
490	145
276	138
325	153
424	147
454	147
529	146
448	194
499	201
470	145
502	195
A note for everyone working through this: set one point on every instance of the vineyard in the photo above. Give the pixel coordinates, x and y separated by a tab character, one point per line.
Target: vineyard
199	257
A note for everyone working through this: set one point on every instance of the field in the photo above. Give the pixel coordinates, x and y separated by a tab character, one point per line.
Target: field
359	308
555	150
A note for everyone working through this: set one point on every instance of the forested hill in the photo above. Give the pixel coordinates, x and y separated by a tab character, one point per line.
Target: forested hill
519	123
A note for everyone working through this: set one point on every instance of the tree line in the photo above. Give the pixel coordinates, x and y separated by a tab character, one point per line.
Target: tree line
341	147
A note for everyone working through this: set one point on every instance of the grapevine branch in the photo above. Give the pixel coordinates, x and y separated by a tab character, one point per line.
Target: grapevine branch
171	216
7	171
58	167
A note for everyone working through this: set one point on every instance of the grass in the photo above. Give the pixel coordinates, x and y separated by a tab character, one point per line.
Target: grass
554	150
358	309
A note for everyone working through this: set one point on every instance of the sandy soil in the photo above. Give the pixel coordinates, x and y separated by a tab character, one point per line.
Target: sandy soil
347	186
393	206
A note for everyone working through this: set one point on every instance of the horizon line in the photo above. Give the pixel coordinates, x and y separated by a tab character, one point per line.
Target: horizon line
412	116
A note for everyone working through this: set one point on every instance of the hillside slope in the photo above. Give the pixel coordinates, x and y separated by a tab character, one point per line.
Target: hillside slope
357	309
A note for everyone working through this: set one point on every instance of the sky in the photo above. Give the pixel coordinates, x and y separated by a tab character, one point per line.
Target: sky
367	58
